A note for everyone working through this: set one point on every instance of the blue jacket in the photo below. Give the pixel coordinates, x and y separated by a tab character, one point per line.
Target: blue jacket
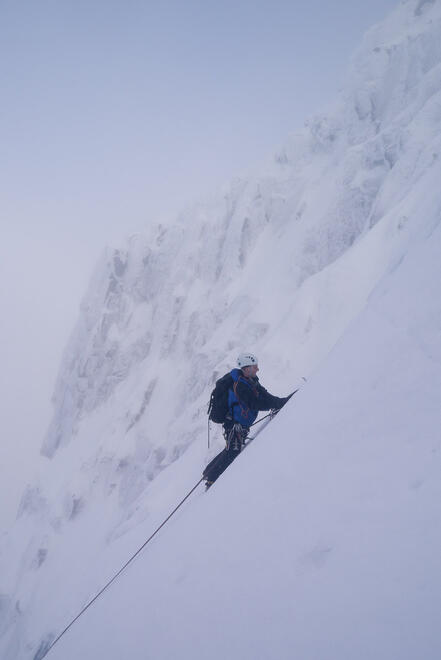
247	397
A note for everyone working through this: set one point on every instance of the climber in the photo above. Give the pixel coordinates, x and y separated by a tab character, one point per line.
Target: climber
235	402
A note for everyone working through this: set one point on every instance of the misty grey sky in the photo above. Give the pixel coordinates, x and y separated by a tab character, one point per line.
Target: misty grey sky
117	114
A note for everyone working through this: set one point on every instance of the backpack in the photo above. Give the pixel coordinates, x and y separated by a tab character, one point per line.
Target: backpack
218	406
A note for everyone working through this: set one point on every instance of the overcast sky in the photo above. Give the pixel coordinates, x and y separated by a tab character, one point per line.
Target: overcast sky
115	115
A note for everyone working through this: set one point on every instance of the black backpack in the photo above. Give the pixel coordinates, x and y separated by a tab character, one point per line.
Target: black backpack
218	406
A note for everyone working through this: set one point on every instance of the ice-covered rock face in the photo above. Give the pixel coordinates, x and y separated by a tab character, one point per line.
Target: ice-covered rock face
268	265
185	299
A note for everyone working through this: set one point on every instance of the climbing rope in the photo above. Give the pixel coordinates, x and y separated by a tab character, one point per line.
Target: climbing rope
119	572
270	415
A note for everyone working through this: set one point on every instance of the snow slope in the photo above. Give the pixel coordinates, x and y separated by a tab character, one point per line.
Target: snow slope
323	540
334	244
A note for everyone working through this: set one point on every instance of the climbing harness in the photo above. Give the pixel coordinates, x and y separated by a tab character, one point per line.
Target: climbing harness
269	416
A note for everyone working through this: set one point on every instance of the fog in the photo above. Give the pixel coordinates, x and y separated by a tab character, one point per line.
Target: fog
116	115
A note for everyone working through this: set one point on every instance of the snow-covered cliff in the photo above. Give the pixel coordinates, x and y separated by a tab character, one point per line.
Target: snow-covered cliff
280	263
323	540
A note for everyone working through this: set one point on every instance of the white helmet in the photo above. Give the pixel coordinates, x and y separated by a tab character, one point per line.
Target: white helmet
246	360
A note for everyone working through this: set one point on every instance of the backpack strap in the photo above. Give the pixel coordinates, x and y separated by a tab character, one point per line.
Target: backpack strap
239	402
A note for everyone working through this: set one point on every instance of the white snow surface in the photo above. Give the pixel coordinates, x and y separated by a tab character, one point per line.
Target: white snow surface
323	540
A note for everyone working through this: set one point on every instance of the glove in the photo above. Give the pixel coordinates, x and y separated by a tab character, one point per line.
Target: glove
281	402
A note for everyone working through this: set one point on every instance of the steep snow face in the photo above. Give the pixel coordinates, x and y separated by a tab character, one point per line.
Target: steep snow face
323	540
280	264
191	294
